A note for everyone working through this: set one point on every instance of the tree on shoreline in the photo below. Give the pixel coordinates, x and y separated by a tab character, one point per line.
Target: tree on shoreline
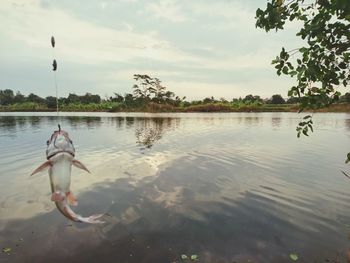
6	96
276	99
250	99
130	101
150	89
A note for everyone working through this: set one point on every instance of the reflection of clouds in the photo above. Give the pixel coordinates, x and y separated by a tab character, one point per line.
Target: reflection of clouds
205	140
211	187
170	211
171	198
130	215
106	165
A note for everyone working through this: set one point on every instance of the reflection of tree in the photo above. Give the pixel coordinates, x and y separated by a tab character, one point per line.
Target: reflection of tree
11	123
129	121
119	121
8	124
276	121
147	130
347	124
150	130
35	121
89	122
252	121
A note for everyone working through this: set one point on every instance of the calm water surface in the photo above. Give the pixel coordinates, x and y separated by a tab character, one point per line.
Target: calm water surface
227	187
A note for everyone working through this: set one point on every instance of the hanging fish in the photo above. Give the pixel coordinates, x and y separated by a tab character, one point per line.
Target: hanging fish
60	154
54	65
53	41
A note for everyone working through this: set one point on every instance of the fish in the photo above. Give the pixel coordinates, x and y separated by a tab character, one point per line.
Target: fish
60	155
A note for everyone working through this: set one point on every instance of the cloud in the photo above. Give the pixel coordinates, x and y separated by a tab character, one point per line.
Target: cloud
197	48
103	5
83	41
229	15
223	9
167	10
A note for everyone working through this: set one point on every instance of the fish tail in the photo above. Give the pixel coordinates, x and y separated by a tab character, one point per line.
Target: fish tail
69	213
94	219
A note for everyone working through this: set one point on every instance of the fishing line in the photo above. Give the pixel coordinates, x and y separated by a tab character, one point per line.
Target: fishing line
54	68
54	63
55	80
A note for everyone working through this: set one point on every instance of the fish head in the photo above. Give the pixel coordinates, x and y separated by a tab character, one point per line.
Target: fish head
59	142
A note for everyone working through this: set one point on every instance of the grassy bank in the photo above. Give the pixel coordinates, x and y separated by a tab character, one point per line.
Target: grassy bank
154	107
341	107
78	107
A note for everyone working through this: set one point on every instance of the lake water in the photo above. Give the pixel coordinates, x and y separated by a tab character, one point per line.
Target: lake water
228	187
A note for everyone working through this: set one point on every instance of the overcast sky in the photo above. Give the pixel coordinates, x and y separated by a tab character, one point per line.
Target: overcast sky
198	48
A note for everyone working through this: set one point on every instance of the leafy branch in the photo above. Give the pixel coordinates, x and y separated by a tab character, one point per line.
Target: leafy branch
304	126
322	65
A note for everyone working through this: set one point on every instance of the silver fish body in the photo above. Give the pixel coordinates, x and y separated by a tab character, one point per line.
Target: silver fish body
60	154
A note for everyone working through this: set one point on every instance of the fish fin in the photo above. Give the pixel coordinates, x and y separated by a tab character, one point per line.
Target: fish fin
57	197
78	164
42	167
71	199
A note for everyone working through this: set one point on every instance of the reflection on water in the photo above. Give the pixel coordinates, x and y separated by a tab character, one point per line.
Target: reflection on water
150	130
347	123
276	121
228	187
13	123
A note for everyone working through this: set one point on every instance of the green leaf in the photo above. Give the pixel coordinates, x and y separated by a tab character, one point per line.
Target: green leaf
275	61
342	65
6	250
293	257
194	257
348	158
293	73
311	128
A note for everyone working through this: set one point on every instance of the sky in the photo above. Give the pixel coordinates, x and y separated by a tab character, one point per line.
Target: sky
197	48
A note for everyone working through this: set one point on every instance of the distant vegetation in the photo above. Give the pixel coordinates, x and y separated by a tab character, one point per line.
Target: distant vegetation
148	94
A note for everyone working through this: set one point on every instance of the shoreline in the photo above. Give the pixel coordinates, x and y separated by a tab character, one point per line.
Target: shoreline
215	108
